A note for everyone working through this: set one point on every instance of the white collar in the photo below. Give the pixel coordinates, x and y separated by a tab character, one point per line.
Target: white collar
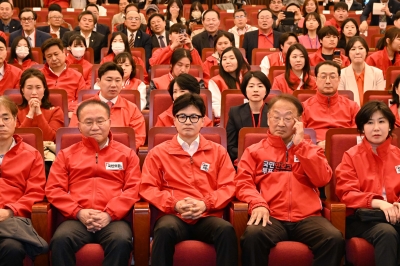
2	70
105	144
65	66
32	35
114	101
131	32
192	148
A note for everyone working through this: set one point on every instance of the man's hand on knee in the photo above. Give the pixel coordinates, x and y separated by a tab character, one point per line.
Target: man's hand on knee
258	214
5	214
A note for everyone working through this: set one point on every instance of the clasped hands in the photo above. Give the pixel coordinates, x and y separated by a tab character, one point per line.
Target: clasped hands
190	208
94	220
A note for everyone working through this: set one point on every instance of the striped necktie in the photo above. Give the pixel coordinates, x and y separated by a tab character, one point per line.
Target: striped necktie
131	41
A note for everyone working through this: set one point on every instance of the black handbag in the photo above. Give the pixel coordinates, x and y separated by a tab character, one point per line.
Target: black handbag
371	215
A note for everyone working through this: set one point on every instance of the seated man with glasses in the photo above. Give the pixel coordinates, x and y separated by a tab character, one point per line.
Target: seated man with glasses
279	179
54	19
327	109
28	22
123	112
94	184
190	180
241	26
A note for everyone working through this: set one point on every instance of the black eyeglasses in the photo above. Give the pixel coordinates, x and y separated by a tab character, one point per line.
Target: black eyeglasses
182	118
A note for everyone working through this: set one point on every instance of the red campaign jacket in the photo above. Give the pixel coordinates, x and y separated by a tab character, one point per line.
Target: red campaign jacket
70	80
22	178
333	22
210	62
79	179
133	84
162	83
166	119
11	78
61	3
380	59
2	34
281	84
276	59
86	66
221	83
170	174
123	114
283	180
395	111
162	56
49	121
26	64
138	61
361	175
316	58
322	113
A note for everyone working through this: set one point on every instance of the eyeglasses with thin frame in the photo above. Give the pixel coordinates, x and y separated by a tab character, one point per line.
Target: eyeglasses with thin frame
27	19
277	119
264	18
133	18
57	18
324	77
241	16
90	123
6	119
182	118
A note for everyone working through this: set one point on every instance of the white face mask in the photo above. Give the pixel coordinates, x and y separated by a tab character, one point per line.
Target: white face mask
196	14
22	51
78	52
117	47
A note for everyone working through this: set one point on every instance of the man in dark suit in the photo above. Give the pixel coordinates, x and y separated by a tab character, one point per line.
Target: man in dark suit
264	37
7	23
55	19
100	28
136	37
34	36
160	37
93	39
211	21
353	5
391	7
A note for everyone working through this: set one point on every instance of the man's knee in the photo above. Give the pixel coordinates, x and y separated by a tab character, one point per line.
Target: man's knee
386	232
11	248
225	230
166	226
252	234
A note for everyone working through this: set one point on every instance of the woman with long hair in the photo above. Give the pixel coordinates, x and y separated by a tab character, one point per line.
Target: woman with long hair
297	72
255	87
174	13
395	107
310	6
98	3
313	24
36	109
21	53
196	9
231	70
359	76
349	29
119	44
388	54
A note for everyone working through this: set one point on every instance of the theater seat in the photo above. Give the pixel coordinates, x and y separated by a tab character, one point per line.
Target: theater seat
304	95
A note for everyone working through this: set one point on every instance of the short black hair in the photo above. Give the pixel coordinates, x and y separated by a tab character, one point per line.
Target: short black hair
91	102
55	7
34	73
78	38
258	75
185	82
51	42
264	9
189	99
94	5
87	12
122	57
395	96
327	62
176	28
368	109
109	66
180	53
239	10
396	16
3	41
6	1
208	11
340	5
130	5
27	10
156	15
327	31
288	98
284	37
352	41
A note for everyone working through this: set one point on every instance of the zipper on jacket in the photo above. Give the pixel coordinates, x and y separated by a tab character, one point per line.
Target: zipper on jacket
329	102
290	197
287	155
191	159
97	156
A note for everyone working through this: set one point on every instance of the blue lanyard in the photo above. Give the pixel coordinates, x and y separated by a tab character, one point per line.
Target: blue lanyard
316	42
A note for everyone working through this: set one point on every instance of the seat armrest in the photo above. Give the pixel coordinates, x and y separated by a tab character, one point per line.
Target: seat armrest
42	221
238	216
335	212
141	233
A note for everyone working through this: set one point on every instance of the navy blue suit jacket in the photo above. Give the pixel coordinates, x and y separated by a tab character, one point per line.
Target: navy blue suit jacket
250	42
394	6
39	38
14	25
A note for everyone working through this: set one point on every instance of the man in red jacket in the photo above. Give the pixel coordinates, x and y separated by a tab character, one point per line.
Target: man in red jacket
279	179
190	180
94	184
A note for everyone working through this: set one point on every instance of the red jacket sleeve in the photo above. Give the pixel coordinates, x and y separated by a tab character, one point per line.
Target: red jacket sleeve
139	126
246	189
150	187
348	186
119	207
314	164
161	56
81	86
57	188
196	59
219	198
34	191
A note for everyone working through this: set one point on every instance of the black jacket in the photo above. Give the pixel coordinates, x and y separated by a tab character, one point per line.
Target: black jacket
250	42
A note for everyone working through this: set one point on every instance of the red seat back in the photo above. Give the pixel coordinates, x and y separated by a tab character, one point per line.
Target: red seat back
383	96
32	136
161	70
391	74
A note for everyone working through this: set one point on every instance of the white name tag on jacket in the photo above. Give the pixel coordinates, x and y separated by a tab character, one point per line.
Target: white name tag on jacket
205	167
295	159
114	166
397	169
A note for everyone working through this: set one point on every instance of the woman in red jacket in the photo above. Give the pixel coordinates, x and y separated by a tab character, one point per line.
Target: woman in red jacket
388	54
368	177
75	55
21	53
232	66
297	72
395	107
36	110
182	84
221	42
130	82
118	44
